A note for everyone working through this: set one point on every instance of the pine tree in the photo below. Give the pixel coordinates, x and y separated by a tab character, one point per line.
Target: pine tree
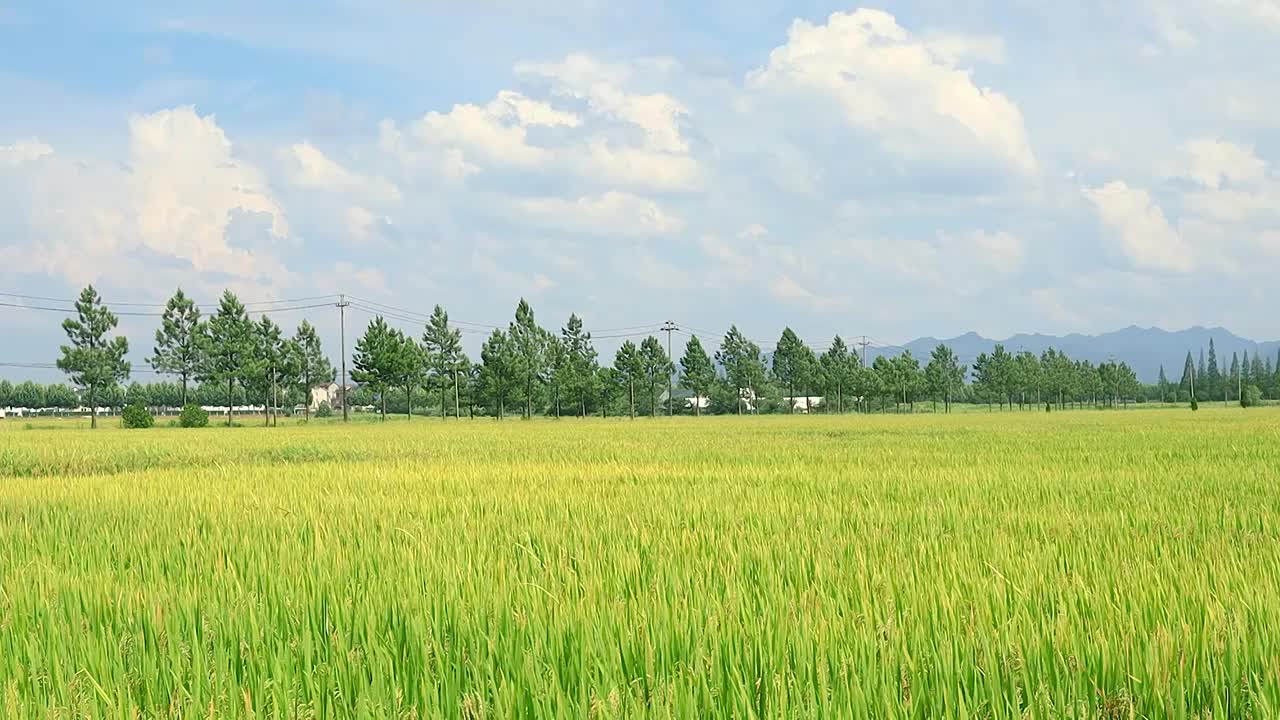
229	348
310	367
697	374
442	347
179	347
630	369
1163	384
655	366
1213	380
95	362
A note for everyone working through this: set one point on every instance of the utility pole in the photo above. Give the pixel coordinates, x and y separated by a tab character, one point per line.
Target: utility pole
864	344
668	327
342	382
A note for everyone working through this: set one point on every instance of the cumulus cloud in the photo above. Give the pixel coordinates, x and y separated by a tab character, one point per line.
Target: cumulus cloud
312	169
612	213
1145	235
1215	163
183	204
910	93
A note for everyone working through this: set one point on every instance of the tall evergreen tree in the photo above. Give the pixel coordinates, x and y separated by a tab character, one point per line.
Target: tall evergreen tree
742	363
442	347
498	374
1213	380
228	348
697	373
1188	378
944	375
579	362
1163	384
529	341
310	365
268	363
95	362
1202	389
838	369
630	369
788	361
179	347
656	368
1234	379
374	360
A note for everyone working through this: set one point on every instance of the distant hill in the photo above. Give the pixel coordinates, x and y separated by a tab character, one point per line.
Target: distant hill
1144	349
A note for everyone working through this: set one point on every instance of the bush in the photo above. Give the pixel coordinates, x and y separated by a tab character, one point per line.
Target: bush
137	417
1194	405
193	416
324	410
1252	397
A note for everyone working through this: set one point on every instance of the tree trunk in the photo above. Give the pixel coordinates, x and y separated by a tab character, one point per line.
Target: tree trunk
408	402
93	408
230	398
632	385
457	401
184	389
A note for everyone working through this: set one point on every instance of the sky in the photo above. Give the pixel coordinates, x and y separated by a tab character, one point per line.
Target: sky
913	168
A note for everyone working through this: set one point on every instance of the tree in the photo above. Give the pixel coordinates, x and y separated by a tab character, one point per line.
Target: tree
742	363
406	366
697	374
529	343
442	347
62	397
310	366
137	394
579	363
269	359
1203	391
94	361
655	367
6	394
1163	384
498	370
1186	387
1234	380
374	360
179	348
836	372
944	376
557	370
789	364
28	395
630	370
1213	381
228	348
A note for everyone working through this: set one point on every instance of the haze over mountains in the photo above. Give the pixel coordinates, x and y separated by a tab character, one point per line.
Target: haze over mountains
1144	349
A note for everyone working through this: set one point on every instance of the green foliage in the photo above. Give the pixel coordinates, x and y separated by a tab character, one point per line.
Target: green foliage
697	373
193	416
180	341
94	361
229	348
1252	396
742	363
137	417
324	409
655	369
442	356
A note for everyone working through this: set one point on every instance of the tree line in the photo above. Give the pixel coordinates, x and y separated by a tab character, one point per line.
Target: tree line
228	359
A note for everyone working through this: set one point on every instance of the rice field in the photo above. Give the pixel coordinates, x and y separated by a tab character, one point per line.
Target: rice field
1082	565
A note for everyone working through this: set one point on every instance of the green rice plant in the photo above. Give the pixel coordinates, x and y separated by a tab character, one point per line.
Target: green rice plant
1082	565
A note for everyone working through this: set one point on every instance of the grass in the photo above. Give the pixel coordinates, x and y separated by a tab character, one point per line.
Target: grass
1091	565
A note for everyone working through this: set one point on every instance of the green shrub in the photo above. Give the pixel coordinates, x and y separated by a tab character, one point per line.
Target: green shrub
1252	397
193	416
324	410
137	417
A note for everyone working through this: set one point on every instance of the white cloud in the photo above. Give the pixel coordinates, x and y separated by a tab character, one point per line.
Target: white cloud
311	168
1000	251
1215	163
1145	235
24	151
909	93
185	205
492	133
640	167
600	85
530	113
613	213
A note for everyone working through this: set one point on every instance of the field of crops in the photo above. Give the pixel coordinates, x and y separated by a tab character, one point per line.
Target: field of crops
1087	564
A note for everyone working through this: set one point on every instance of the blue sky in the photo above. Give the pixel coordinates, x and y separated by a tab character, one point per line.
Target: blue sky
905	169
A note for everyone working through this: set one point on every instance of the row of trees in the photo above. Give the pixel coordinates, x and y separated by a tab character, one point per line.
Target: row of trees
1225	383
540	371
252	359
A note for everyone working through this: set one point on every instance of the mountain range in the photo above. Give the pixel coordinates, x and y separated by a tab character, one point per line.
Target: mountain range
1144	349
